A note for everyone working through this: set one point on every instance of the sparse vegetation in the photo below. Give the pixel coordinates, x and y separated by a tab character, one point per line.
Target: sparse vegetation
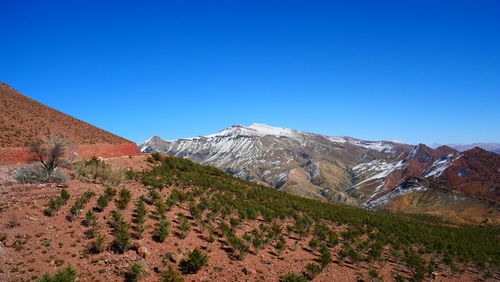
325	257
293	277
162	230
195	261
125	197
98	245
312	270
171	275
122	241
134	273
184	227
79	205
95	170
102	202
67	274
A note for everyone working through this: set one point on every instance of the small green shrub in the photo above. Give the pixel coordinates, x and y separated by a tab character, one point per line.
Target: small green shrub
312	270
373	273
171	275
125	197
162	230
185	227
281	245
122	240
134	273
98	245
195	261
293	277
67	274
325	257
102	202
90	218
65	196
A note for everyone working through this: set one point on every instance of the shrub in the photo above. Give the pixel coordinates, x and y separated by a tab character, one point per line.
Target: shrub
98	245
325	257
281	245
293	277
350	252
373	273
65	196
140	218
79	204
67	274
161	209
140	211
122	240
98	171
195	261
90	218
54	206
31	174
110	192
238	245
171	275
57	176
125	197
156	156
162	230
154	196
102	202
135	272
185	227
314	243
312	270
257	240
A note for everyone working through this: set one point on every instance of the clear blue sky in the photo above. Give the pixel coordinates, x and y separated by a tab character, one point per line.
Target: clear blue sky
416	71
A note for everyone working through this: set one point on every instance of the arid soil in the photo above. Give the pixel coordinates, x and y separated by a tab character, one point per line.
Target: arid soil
24	120
33	244
20	155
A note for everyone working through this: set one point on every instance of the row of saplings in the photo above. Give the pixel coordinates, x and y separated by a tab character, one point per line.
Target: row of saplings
195	260
122	235
323	239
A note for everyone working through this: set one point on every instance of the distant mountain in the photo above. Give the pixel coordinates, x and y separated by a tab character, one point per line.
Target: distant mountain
371	174
303	163
492	147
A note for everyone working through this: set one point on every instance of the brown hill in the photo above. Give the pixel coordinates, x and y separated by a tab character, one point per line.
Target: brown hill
477	172
24	120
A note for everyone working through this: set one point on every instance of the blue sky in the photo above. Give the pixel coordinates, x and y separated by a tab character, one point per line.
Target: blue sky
416	71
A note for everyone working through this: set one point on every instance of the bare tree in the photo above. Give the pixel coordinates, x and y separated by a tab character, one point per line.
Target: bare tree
53	153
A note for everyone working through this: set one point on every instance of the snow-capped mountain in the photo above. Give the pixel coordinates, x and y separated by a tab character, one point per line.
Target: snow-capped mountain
335	168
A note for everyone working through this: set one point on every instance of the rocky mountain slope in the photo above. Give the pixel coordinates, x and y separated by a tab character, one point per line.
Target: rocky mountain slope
340	169
24	120
492	147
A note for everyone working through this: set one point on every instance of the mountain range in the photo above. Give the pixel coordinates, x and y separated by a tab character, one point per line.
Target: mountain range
492	147
371	174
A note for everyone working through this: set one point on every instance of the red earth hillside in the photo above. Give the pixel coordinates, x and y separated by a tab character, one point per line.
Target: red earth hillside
24	120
